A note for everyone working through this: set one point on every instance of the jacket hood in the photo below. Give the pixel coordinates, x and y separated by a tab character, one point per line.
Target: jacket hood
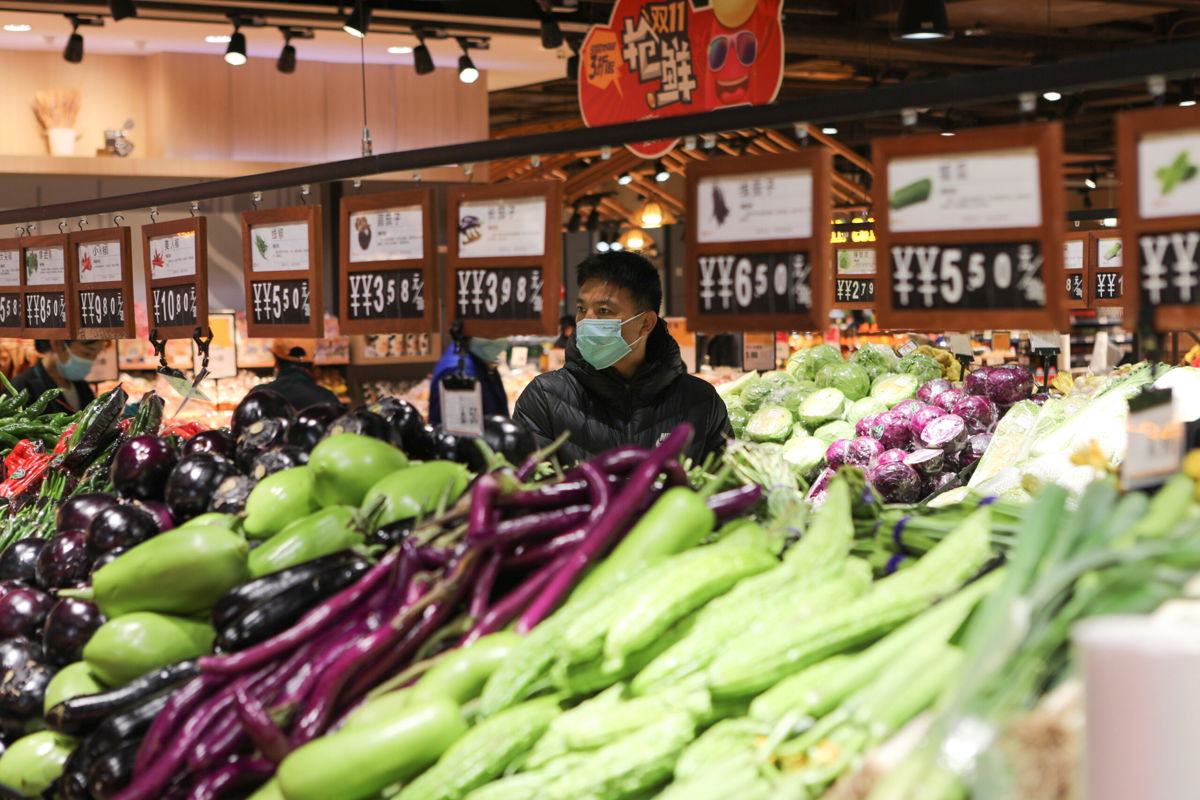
663	365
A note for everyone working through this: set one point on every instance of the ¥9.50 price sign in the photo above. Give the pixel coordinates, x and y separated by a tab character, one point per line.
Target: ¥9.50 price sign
10	310
1107	285
758	283
967	276
386	294
280	302
854	290
101	308
45	310
173	305
499	293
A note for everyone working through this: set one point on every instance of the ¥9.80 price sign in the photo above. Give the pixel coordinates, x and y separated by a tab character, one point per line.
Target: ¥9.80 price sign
173	305
280	302
386	294
102	308
759	283
991	275
499	293
45	310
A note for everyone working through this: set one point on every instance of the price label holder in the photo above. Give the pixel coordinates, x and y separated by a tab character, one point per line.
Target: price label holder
504	258
1157	440
281	249
101	266
462	405
1045	347
970	236
1158	203
1079	256
907	347
758	351
1108	273
387	282
853	276
10	287
176	276
960	346
757	246
47	299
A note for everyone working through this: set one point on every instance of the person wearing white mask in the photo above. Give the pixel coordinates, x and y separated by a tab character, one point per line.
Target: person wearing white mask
625	381
64	364
480	363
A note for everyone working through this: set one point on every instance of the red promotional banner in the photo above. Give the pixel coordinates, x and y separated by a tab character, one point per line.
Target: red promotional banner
665	58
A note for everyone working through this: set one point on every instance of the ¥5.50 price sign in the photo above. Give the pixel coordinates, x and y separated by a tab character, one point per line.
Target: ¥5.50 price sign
967	276
758	283
173	306
854	290
280	302
499	293
387	294
101	308
45	310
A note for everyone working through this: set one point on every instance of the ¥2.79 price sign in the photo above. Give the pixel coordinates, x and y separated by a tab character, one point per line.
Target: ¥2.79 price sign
386	294
757	283
499	293
980	276
45	310
280	302
173	305
101	308
854	290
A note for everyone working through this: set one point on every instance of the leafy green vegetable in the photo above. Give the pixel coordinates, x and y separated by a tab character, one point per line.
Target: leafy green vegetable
893	389
922	367
754	392
876	359
851	379
864	408
738	417
830	432
778	378
823	405
789	397
805	364
806	455
770	424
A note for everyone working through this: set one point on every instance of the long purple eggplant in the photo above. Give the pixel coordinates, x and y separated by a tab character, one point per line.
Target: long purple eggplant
540	552
734	502
481	593
177	711
480	521
266	735
540	524
231	779
512	604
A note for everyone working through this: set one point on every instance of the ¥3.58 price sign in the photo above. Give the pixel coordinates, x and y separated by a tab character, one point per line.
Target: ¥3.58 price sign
506	293
756	227
282	252
101	266
176	259
970	236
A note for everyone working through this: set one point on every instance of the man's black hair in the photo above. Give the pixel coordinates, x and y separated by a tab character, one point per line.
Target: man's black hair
629	271
42	345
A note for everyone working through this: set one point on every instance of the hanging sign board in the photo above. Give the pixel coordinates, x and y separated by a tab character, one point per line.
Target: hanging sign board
46	296
970	234
176	258
101	264
386	273
1108	273
756	227
505	258
853	276
1079	254
10	287
282	254
1158	159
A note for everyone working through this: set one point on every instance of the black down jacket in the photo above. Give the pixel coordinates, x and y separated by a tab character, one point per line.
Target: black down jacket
602	410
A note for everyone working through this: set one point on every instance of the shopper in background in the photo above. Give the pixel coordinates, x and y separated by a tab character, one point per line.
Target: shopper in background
479	362
624	382
295	374
64	364
566	329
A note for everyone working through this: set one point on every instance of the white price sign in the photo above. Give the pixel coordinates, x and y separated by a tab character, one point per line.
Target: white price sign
856	261
99	262
1110	255
173	255
462	410
387	234
45	266
1169	174
502	228
1073	254
1156	445
975	191
758	206
10	267
279	247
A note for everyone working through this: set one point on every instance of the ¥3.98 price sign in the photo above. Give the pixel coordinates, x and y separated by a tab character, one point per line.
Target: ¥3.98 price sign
757	283
499	293
280	302
388	294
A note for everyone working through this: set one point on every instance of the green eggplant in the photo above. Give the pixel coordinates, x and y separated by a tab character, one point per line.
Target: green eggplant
278	500
214	518
33	762
73	680
416	490
132	645
328	531
183	571
346	465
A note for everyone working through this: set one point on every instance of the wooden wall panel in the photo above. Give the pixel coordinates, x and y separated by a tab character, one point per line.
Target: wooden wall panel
276	116
190	98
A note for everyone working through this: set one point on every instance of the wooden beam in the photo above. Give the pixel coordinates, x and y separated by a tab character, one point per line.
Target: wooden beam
840	148
650	187
582	182
549	164
553	126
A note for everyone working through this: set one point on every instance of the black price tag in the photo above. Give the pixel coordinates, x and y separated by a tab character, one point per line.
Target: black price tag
854	290
759	283
45	310
1108	285
1075	286
10	310
388	294
173	305
101	308
991	275
507	293
1170	272
281	302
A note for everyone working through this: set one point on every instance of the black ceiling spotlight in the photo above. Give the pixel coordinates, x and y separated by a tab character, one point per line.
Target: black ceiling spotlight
1093	180
573	60
1187	94
235	51
552	37
660	172
359	20
73	52
576	220
467	71
422	59
923	19
948	123
287	56
121	9
593	220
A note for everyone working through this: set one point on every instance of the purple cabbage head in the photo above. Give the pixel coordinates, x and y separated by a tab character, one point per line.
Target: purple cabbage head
976	382
885	419
1009	384
865	425
977	445
908	408
931	389
896	483
948	399
923	418
820	488
890	457
980	413
940	481
1040	398
838	453
948	433
926	461
896	436
863	450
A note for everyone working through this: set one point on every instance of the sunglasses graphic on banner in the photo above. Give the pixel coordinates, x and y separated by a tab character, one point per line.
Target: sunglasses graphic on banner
744	44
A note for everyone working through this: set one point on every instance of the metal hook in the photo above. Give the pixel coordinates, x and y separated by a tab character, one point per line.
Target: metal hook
193	208
62	226
469	171
153	215
358	183
606	152
305	190
256	199
416	176
118	219
21	229
82	221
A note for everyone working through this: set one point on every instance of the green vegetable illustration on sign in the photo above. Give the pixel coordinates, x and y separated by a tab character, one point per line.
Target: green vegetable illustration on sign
913	193
1181	170
261	244
31	262
1112	251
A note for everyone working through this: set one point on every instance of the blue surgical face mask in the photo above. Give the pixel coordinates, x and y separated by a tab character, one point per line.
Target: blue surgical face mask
600	341
75	368
488	350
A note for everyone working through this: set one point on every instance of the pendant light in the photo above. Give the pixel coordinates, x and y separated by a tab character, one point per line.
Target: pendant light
923	19
235	53
651	214
359	20
73	52
467	71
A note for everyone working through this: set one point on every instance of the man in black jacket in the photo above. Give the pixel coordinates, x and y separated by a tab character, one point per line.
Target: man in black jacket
624	382
65	364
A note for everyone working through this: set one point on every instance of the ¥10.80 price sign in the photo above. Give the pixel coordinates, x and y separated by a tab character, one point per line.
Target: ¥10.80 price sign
758	283
499	293
176	257
173	306
388	294
280	302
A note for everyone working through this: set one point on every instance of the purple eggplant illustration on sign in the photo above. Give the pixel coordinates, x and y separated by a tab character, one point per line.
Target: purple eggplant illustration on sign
363	226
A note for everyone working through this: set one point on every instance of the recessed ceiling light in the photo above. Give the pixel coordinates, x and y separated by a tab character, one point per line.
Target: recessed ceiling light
1052	96
220	39
18	28
829	130
400	50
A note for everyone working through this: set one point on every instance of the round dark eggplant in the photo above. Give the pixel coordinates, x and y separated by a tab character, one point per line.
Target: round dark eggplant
362	422
18	562
17	650
460	448
66	560
260	403
23	689
121	526
508	438
230	496
69	625
77	513
73	785
193	482
141	467
112	772
23	611
405	423
390	535
217	442
310	425
258	437
277	459
385	405
160	513
107	557
422	445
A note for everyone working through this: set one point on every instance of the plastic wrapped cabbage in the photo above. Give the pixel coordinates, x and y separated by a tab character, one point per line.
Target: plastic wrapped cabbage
922	367
876	359
769	424
830	432
823	405
864	408
754	392
738	417
893	389
805	364
789	396
778	378
806	455
849	378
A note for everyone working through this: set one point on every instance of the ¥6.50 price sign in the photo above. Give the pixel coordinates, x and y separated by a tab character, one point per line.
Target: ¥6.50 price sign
387	294
45	310
758	283
101	308
280	302
1107	285
173	305
989	275
854	290
499	293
